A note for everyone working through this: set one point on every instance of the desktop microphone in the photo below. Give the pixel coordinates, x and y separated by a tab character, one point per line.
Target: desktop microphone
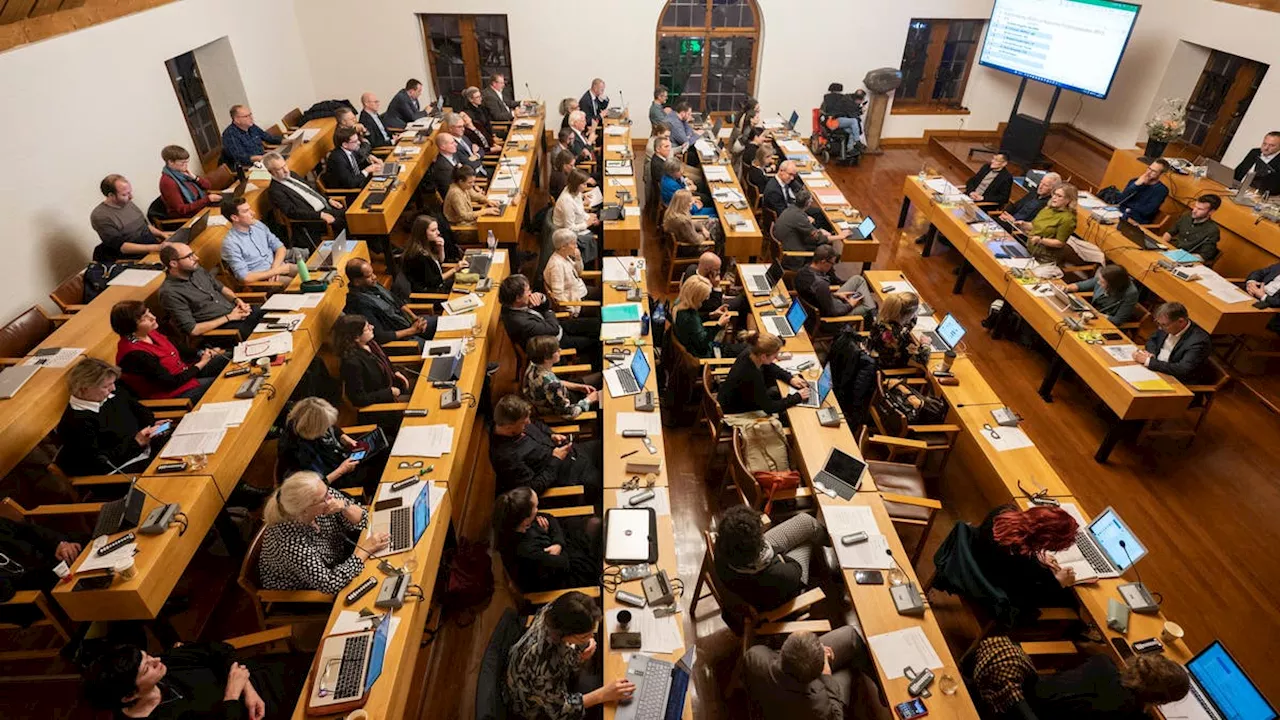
1136	595
528	91
906	598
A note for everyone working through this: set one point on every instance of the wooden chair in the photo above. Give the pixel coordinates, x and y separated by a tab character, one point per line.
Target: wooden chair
754	622
712	414
938	439
69	295
676	263
363	413
1196	413
292	120
22	334
902	487
346	195
265	601
269	287
752	495
221	177
1139	326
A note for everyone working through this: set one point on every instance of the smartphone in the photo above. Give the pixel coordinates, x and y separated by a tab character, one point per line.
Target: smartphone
96	582
163	427
868	577
357	455
1112	336
1122	648
911	709
438	350
387	504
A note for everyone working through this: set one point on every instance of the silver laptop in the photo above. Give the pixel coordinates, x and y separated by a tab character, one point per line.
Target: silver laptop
1222	174
788	325
841	472
13	378
337	248
762	283
948	335
629	379
349	664
629	535
1064	301
405	523
818	391
1106	545
652	678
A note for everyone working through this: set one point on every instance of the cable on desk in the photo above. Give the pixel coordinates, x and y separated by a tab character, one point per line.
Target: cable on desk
181	518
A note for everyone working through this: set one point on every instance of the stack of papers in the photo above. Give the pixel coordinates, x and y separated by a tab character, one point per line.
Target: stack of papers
1123	353
521	137
53	357
134	277
525	123
1090	201
217	221
716	173
236	410
830	197
263	346
205	443
449	323
110	560
739	222
430	441
1141	378
623	181
651	423
624	330
284	301
818	182
902	649
1219	286
728	196
516	160
622	269
870	555
941	186
620	313
615	130
618	167
792	146
615	148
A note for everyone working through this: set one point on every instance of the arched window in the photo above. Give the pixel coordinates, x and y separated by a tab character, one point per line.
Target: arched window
707	52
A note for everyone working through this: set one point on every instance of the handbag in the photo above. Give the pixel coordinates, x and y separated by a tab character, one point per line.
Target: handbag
916	407
771	481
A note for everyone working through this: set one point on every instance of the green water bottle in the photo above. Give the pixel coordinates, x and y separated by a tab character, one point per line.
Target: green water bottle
303	273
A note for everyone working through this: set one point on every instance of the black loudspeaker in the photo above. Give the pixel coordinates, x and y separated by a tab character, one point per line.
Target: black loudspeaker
1023	139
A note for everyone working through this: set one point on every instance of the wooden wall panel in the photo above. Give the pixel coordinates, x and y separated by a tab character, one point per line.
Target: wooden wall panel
28	21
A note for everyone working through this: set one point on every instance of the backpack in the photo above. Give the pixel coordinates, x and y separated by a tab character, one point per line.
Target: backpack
96	277
466	583
916	407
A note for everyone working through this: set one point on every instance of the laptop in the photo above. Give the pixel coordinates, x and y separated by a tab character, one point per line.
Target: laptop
479	262
405	524
14	377
624	381
759	283
190	232
818	391
1222	688
122	514
864	229
1224	175
1097	552
841	472
788	325
389	170
1064	301
337	248
630	535
1009	249
947	336
445	368
346	668
1137	235
791	122
660	690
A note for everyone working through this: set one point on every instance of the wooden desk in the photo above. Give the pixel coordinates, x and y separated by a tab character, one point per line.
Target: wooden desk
1246	244
382	219
506	227
621	236
745	244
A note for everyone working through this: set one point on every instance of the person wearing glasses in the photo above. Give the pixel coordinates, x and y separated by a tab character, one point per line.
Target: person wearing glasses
196	302
1179	347
312	440
103	431
309	539
242	141
153	367
525	453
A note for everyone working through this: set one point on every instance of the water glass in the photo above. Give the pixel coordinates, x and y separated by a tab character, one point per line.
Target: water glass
948	684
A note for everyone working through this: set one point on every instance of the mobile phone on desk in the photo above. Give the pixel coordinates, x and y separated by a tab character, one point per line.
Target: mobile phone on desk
868	577
95	582
911	709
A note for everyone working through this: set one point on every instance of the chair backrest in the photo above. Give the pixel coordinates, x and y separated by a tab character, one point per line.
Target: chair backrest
735	611
292	119
69	292
812	316
490	703
712	413
887	420
248	577
157	211
220	177
745	483
24	332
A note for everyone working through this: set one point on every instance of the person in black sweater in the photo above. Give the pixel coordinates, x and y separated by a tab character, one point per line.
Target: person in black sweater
195	680
1098	690
540	552
525	453
1012	550
313	441
526	314
766	569
749	386
424	258
993	183
103	431
30	554
367	375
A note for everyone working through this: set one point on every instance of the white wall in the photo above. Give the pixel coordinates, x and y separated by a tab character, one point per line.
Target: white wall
98	101
221	76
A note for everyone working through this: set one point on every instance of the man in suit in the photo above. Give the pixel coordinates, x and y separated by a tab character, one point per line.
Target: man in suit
493	101
527	314
473	105
828	677
440	173
1268	154
1264	284
709	266
796	230
468	153
594	102
345	168
814	282
524	452
993	183
780	191
300	202
404	108
1179	347
367	297
1026	209
583	143
242	141
346	118
378	134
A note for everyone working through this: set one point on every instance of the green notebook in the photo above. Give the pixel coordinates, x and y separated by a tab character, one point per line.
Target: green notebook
629	312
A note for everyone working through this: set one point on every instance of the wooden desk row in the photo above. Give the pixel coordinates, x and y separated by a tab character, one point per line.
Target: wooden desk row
517	155
34	412
620	235
415	160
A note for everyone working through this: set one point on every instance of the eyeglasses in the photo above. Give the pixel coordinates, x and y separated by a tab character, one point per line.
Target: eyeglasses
986	427
188	256
406	465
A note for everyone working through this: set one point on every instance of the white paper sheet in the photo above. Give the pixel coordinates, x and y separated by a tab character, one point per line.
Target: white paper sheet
926	323
870	555
898	286
262	346
1134	374
621	268
236	410
1011	438
618	169
904	648
431	441
830	197
1072	557
792	146
716	173
660	502
818	182
310	300
284	301
183	445
110	560
657	635
610	331
631	211
1087	251
448	323
940	185
202	421
134	277
62	358
1123	353
616	148
1188	708
623	181
649	422
615	129
217	221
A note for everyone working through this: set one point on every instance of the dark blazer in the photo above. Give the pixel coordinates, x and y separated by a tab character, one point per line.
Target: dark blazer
527	461
1187	361
480	118
1264	276
96	443
402	110
587	104
425	275
1270	183
999	189
365	380
383	312
773	197
440	174
522	324
286	200
339	173
577	145
376	137
496	106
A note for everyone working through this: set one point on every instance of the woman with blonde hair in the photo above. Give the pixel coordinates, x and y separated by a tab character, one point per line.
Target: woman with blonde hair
892	342
103	431
692	234
568	106
751	384
306	538
313	441
688	320
1048	233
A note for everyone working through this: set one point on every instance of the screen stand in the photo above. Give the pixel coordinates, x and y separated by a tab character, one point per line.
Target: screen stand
1023	135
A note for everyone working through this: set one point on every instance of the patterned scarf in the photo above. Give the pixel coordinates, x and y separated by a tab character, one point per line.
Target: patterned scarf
187	185
1000	670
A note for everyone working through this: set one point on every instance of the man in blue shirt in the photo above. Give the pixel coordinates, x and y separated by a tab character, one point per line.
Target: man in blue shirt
251	251
242	140
1141	198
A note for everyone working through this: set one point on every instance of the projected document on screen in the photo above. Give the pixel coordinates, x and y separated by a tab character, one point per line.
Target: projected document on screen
1074	44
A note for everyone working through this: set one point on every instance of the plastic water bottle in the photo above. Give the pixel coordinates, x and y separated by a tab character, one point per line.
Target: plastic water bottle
304	273
644	324
492	242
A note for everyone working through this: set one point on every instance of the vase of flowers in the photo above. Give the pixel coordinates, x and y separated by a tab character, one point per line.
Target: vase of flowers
1167	124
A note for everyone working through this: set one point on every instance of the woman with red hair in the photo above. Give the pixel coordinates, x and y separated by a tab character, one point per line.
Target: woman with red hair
1012	548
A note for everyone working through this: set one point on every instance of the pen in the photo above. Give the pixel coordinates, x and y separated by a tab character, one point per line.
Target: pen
633	452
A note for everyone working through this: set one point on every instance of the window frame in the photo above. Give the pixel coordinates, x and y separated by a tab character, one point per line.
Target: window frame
939	31
706	32
471	59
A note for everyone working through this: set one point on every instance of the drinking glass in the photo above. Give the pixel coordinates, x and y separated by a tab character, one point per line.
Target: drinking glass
948	684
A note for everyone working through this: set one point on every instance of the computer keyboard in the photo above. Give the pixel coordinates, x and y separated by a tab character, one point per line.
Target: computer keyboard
109	517
778	325
353	663
401	529
1092	555
651	701
756	283
628	381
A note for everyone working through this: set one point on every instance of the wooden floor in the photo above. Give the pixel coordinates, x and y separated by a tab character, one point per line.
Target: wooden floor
1206	513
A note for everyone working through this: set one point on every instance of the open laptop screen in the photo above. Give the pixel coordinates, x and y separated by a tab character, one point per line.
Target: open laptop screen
1227	685
640	367
866	227
844	466
421	513
950	330
796	316
1109	530
824	384
379	651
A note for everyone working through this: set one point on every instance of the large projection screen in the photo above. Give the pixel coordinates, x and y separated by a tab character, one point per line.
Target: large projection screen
1073	44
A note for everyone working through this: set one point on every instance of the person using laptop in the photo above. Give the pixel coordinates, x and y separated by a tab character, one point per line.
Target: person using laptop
526	314
306	533
562	277
368	377
813	678
1268	153
524	452
1263	285
425	255
196	302
549	394
390	320
1048	233
751	384
1026	209
1178	347
766	569
251	251
404	108
1011	549
300	201
194	680
243	140
688	326
345	117
103	431
1141	198
183	194
313	441
797	231
1196	232
555	658
123	231
540	552
462	195
344	168
993	183
151	365
814	282
1114	293
891	341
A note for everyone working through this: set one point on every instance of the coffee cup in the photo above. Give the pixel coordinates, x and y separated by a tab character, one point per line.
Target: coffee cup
358	714
126	569
1170	633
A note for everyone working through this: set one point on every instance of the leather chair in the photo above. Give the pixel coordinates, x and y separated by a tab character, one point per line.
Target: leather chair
490	702
69	295
292	119
22	334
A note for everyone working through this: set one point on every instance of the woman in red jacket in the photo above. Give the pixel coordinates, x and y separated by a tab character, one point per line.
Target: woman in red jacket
151	365
183	193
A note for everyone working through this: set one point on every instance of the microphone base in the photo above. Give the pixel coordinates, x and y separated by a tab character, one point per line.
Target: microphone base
1139	599
907	599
